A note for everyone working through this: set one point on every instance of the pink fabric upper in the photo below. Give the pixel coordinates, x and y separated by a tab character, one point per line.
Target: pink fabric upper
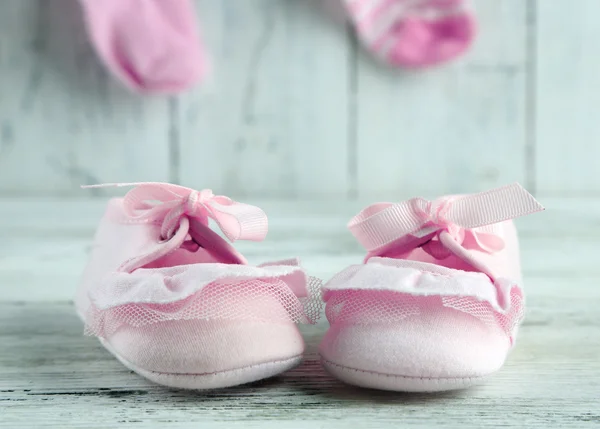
439	295
418	276
138	276
152	46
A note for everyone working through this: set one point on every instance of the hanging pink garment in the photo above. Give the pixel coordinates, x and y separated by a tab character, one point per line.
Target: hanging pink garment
413	33
153	46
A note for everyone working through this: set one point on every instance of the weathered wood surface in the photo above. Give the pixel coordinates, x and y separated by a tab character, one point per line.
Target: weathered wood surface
462	126
566	90
53	376
295	108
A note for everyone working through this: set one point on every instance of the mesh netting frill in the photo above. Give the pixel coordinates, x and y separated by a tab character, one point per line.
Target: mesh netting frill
267	300
348	306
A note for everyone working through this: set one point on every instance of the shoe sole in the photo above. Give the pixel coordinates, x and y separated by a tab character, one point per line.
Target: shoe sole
394	382
213	380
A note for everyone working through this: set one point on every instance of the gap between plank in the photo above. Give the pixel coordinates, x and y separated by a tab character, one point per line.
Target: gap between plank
352	113
531	96
174	141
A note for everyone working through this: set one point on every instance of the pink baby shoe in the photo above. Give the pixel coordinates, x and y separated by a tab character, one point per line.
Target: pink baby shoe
437	302
176	303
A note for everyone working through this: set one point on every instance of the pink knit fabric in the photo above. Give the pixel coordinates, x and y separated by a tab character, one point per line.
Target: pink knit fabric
152	46
413	33
175	302
436	305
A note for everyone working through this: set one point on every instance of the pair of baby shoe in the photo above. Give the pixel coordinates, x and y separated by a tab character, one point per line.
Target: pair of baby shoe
435	305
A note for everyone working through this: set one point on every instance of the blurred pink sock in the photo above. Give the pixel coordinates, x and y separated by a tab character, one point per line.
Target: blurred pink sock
413	33
153	46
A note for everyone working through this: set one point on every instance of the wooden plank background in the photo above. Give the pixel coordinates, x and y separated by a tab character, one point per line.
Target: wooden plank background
296	109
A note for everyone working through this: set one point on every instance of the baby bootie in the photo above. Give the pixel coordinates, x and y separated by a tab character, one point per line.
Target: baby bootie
438	300
176	303
415	33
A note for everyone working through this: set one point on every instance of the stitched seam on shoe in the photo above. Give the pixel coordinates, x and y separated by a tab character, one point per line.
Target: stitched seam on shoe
407	377
192	374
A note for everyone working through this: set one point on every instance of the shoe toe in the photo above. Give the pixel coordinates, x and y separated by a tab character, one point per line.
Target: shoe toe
442	350
208	354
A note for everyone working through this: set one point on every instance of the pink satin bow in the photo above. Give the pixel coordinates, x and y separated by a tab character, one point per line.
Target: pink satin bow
478	214
166	203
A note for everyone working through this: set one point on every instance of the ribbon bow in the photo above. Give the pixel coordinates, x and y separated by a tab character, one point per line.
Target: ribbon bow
151	202
478	214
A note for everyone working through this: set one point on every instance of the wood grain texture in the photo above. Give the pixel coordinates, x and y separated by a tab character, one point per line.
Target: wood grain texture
53	376
446	130
273	119
63	121
568	77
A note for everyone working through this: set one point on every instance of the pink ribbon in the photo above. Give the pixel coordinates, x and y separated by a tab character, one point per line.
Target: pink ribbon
166	203
478	214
